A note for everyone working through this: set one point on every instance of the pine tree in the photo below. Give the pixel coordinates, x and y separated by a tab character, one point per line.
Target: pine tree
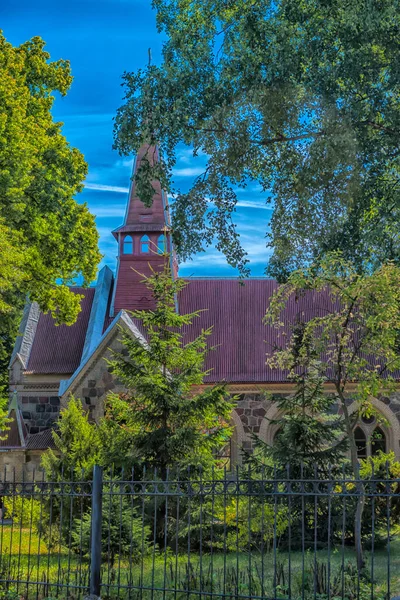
308	432
164	420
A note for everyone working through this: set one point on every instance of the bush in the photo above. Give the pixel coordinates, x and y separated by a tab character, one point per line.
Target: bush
25	511
123	533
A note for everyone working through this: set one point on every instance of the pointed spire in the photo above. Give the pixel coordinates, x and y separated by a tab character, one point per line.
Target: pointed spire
142	239
139	217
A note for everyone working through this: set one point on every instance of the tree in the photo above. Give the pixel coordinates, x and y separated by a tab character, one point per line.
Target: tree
309	434
355	334
77	444
123	532
47	239
164	420
299	96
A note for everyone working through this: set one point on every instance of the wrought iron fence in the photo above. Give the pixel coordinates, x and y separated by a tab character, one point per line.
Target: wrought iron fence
237	535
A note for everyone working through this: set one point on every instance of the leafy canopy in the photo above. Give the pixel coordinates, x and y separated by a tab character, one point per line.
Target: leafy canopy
302	97
47	239
355	330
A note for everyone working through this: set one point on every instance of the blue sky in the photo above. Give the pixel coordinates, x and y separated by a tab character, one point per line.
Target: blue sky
102	39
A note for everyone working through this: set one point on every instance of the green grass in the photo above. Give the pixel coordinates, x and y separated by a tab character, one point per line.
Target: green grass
26	558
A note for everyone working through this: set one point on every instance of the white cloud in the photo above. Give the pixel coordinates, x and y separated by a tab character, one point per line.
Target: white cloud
106	188
252	204
111	210
188	171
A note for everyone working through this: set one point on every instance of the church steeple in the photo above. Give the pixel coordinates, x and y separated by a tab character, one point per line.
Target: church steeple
142	240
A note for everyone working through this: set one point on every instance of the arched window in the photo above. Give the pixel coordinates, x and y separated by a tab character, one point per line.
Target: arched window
361	442
161	244
145	244
128	245
370	437
378	441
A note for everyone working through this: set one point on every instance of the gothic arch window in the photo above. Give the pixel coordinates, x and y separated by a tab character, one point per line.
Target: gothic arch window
161	244
370	437
360	439
378	441
127	245
145	244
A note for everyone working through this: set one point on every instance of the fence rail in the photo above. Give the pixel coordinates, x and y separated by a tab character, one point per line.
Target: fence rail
233	536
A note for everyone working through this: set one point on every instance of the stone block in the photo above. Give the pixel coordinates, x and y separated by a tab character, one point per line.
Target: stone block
107	377
40	408
26	415
34	430
93	393
259	412
25	400
43	400
33	400
55	401
92	383
100	391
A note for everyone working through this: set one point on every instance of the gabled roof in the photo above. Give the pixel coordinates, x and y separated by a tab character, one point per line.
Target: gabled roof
122	320
58	349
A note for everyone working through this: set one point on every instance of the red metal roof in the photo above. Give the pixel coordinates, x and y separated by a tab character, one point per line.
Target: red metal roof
58	349
235	311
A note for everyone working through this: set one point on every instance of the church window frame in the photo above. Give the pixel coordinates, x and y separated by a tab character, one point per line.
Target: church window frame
127	245
161	244
145	244
371	437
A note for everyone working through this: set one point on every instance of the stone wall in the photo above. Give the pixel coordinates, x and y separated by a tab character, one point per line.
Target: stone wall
39	412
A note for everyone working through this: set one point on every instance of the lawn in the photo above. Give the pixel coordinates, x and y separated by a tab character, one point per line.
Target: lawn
39	572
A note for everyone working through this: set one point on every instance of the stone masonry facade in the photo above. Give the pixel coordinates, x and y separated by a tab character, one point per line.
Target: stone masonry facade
39	412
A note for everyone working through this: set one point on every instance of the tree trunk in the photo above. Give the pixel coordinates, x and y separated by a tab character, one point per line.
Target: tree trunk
359	488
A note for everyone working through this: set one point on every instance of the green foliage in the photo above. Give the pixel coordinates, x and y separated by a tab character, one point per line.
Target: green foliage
77	444
163	420
123	532
301	97
47	239
25	511
361	318
308	432
4	420
387	468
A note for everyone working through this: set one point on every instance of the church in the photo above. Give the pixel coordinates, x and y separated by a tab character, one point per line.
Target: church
50	363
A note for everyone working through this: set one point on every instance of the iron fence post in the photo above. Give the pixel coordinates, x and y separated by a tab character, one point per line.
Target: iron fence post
97	495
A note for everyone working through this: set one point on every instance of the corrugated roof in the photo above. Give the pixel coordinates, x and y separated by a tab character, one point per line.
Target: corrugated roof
58	349
235	311
40	441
